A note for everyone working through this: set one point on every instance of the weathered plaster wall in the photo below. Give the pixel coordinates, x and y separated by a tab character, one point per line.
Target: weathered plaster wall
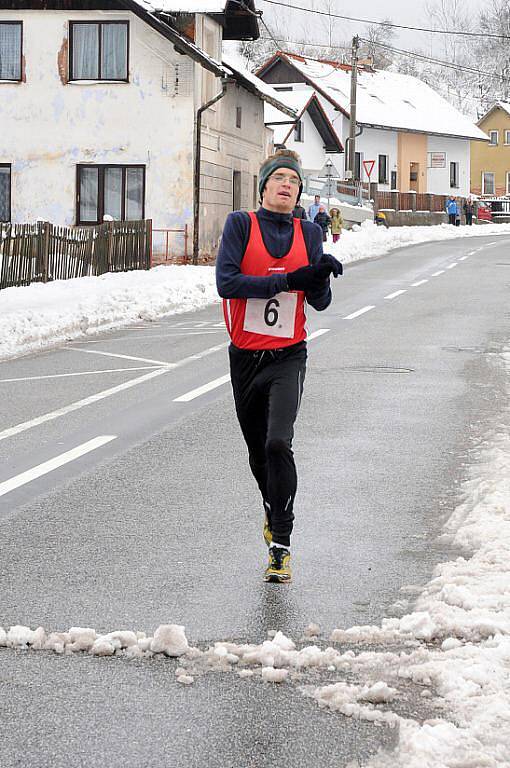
225	149
48	126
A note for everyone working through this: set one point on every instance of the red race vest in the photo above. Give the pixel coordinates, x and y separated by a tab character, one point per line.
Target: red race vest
268	323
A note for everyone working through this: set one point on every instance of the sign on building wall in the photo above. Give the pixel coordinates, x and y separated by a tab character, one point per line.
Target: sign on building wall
437	159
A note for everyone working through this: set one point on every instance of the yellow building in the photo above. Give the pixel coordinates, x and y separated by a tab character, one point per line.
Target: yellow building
490	162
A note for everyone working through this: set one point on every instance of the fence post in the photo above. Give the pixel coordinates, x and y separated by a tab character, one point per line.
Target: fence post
395	200
148	243
185	243
46	230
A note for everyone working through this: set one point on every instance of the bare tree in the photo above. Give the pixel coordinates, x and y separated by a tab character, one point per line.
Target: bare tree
378	35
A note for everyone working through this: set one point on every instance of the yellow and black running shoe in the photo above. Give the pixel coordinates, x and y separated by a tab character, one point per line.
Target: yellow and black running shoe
278	569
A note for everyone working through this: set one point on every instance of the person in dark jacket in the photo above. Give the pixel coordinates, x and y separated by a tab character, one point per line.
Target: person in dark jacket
299	212
269	265
323	219
469	209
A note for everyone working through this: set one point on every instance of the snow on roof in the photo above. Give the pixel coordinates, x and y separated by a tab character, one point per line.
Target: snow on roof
183	6
237	65
388	100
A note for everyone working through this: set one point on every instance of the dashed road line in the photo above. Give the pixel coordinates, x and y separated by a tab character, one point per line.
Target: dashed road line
11	431
122	357
395	294
439	272
420	282
452	265
462	258
59	461
359	312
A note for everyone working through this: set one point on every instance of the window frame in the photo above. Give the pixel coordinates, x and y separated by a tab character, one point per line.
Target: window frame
455	166
386	165
488	173
493	143
101	168
508	182
507	137
98	79
299	132
239	117
9	166
20	78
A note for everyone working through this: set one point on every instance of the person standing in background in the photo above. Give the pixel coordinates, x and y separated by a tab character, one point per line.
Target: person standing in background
337	223
313	209
469	209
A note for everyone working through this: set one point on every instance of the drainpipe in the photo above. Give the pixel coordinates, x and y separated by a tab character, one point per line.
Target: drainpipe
196	170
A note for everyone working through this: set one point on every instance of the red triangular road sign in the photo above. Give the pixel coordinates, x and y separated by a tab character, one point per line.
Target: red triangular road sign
368	165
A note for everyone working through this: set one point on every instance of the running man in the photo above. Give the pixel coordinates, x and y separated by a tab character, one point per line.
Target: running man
268	265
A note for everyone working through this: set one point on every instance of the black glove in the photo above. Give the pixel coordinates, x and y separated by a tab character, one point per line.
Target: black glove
336	267
311	278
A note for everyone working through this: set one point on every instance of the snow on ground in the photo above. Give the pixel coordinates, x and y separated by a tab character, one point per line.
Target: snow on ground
39	316
453	649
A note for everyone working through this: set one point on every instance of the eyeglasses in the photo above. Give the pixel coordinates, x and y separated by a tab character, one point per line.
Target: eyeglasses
281	177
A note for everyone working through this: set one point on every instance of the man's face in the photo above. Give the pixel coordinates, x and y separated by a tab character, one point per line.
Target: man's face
317	199
281	191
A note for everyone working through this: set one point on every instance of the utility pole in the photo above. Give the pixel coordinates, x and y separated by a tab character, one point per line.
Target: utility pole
352	127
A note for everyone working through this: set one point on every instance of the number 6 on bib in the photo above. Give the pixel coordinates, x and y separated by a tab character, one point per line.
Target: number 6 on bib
272	317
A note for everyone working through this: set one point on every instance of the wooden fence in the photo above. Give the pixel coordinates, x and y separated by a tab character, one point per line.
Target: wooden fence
41	252
412	201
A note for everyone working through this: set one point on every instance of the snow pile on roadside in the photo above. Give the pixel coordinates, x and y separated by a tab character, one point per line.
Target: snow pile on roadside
369	240
41	315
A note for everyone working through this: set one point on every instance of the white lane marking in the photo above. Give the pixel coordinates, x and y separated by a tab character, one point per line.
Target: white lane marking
202	390
420	282
471	253
122	357
359	312
452	265
106	393
215	383
439	272
79	373
48	466
463	258
132	337
316	334
395	294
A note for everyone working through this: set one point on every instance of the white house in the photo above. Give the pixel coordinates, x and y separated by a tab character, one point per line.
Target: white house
312	134
114	108
418	141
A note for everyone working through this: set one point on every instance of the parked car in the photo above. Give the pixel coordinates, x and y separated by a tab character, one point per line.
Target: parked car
484	212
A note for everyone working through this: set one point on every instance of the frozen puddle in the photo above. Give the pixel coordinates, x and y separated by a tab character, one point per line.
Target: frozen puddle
453	649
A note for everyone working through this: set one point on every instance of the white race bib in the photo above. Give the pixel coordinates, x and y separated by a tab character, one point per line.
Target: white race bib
272	317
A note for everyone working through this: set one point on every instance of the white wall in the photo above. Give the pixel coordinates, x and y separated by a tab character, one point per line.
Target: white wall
438	179
311	150
47	127
373	143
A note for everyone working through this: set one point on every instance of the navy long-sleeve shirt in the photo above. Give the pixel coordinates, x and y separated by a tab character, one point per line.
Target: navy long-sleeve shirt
277	232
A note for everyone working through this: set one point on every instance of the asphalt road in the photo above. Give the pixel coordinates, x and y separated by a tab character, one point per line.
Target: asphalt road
162	522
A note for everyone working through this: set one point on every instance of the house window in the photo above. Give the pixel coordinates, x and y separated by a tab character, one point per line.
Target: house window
10	50
236	190
507	137
99	50
110	190
239	117
393	184
488	183
383	169
494	138
299	131
454	175
508	182
5	192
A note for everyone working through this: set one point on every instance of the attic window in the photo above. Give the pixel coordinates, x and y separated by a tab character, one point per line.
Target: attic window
406	101
282	87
